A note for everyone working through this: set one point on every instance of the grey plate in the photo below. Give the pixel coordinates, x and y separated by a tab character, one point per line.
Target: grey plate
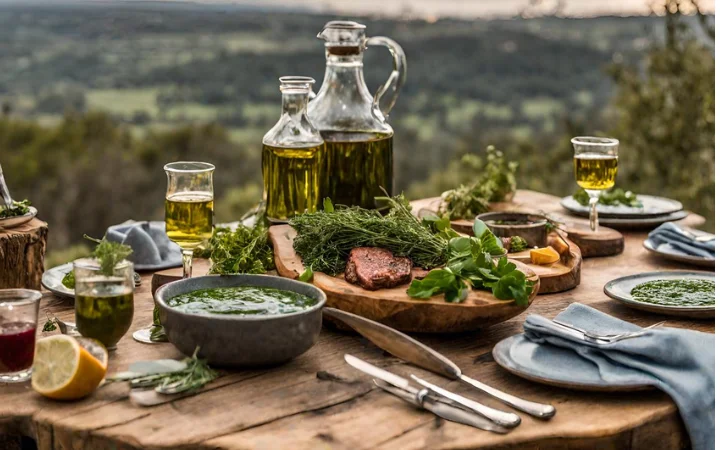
554	366
651	207
619	289
244	341
640	223
696	260
12	222
52	281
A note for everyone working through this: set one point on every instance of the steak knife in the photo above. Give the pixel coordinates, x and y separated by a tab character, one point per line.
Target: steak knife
410	350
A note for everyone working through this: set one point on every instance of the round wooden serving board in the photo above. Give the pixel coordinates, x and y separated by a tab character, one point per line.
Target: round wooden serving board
557	277
393	307
604	242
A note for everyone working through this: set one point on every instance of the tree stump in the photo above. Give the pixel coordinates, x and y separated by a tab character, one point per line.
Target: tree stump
22	255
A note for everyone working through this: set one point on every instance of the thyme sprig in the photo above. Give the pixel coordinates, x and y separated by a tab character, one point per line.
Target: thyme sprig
109	254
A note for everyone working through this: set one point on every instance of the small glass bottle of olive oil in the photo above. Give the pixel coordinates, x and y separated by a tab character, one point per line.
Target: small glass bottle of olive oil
293	156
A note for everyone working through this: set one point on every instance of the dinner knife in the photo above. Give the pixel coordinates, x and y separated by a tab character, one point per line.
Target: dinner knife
444	410
501	418
410	350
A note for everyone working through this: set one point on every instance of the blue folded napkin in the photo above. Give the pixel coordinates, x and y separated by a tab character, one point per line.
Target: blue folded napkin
679	362
669	238
152	249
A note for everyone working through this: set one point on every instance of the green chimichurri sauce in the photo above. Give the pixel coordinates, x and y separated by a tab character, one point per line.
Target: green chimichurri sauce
676	292
245	300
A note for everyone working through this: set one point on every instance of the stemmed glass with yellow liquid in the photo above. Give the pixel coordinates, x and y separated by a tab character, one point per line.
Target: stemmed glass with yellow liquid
596	165
188	221
189	207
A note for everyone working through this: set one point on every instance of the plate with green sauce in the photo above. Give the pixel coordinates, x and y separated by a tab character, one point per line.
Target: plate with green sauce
674	293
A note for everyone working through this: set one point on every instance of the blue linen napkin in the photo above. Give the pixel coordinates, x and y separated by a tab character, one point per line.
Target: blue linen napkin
668	238
679	362
152	249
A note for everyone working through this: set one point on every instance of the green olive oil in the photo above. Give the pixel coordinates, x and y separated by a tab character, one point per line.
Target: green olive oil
104	317
292	180
359	167
189	218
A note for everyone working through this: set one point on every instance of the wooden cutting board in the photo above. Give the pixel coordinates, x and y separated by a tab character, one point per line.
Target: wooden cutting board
604	242
557	277
393	307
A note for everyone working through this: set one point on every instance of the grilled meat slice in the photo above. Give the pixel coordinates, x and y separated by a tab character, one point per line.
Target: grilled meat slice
376	268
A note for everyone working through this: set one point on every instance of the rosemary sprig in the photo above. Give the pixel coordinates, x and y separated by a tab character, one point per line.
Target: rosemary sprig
194	374
109	254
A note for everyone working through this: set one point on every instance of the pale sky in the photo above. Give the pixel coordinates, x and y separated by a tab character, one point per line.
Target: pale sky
455	8
430	9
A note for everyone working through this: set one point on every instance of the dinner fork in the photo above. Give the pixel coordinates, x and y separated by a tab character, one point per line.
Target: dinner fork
607	338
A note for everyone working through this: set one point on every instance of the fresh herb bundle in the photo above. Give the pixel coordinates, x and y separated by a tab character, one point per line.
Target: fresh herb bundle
16	209
471	266
245	250
168	376
496	181
69	280
325	238
109	254
614	197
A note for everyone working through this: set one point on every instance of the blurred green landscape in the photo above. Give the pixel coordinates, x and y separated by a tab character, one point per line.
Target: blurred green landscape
97	98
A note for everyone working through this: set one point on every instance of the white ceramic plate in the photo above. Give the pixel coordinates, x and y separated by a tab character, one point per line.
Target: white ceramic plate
651	207
619	289
52	281
696	260
12	222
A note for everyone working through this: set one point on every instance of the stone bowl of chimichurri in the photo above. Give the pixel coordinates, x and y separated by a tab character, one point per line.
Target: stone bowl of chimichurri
241	320
673	293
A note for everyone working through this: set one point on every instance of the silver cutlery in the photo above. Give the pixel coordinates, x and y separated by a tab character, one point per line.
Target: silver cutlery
447	411
410	350
504	419
605	338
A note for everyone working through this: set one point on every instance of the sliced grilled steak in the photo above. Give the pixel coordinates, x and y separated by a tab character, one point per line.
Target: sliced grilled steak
376	268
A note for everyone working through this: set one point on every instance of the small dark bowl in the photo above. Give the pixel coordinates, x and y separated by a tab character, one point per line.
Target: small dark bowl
534	233
241	341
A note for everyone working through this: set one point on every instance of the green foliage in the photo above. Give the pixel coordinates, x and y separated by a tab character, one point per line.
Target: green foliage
494	182
613	197
69	280
245	250
517	244
109	254
16	209
325	238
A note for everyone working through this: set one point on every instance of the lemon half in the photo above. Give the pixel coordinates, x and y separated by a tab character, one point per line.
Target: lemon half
66	368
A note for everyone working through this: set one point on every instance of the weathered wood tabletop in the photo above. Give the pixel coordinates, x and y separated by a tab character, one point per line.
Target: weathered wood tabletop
318	401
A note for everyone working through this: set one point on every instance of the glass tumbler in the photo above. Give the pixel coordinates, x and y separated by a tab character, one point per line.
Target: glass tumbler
18	328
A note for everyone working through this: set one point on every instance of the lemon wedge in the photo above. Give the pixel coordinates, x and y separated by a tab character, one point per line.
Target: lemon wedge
545	255
66	368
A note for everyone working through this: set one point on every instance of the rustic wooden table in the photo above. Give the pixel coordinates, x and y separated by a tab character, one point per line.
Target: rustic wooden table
318	401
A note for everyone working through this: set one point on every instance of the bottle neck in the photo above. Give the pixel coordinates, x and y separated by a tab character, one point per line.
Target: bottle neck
294	103
344	76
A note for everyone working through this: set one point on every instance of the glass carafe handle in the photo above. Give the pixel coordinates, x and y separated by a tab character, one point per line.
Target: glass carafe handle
397	77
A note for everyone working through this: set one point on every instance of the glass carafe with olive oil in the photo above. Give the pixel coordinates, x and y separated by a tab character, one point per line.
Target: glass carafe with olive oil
293	156
353	123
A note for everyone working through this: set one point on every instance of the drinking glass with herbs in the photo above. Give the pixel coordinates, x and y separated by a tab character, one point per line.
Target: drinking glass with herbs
104	298
596	165
18	325
189	207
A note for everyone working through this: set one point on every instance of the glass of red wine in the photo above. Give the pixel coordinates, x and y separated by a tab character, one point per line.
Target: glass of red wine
18	327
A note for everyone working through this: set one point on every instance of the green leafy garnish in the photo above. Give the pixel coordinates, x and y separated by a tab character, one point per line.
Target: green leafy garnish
69	280
50	324
109	254
16	209
614	197
157	331
471	264
325	238
514	244
307	275
245	250
496	181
